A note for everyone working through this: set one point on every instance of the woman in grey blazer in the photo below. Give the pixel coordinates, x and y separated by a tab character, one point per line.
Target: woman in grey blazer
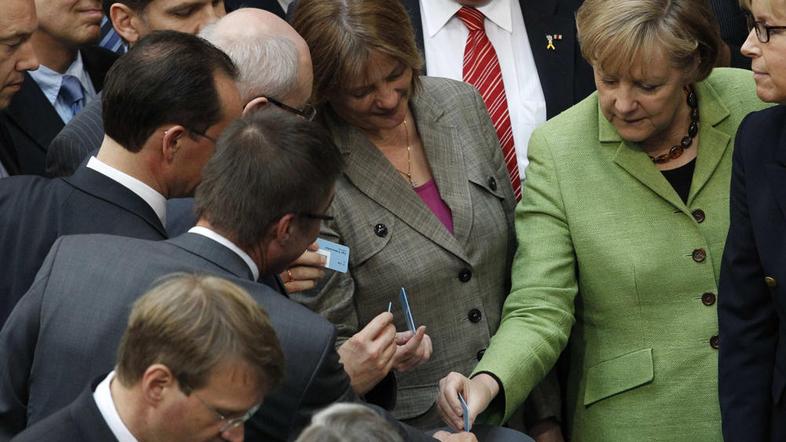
425	203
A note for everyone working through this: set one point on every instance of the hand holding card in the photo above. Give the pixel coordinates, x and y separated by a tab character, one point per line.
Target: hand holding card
465	413
336	255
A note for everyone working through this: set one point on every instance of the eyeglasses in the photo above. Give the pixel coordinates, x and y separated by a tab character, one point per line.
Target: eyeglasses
203	135
308	112
762	30
229	423
317	216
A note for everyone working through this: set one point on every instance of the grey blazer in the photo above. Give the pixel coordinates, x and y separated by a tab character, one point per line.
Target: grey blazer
66	329
456	283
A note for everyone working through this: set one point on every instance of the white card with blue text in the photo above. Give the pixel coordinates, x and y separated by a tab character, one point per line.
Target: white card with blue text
336	255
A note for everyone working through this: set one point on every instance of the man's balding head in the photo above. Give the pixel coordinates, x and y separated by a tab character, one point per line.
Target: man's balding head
273	59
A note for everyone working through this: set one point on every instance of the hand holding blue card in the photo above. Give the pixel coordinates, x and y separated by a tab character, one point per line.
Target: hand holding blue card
465	413
407	311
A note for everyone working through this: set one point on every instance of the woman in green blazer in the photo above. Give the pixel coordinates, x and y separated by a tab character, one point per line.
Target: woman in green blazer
620	232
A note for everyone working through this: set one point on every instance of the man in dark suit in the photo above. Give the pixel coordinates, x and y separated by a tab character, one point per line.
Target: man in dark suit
17	24
196	360
160	131
69	76
286	166
131	20
535	42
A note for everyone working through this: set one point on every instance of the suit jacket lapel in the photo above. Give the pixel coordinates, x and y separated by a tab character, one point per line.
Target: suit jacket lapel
712	141
555	67
104	188
367	167
776	173
712	146
34	114
637	163
209	250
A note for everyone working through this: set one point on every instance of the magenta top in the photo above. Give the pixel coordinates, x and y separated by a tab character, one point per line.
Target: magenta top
429	193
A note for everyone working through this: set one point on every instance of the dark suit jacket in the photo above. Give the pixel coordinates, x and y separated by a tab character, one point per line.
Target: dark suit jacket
79	138
79	421
35	211
564	75
7	153
50	357
752	291
733	29
32	121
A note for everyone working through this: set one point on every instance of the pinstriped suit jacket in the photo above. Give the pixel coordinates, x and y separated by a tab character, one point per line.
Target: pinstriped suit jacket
413	249
76	141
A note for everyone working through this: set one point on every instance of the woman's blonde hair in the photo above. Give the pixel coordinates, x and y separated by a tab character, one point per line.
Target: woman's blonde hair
616	35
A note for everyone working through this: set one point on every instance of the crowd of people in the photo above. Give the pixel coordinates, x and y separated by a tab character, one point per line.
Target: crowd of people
393	220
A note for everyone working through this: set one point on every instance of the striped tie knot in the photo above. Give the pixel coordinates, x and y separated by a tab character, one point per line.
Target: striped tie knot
472	18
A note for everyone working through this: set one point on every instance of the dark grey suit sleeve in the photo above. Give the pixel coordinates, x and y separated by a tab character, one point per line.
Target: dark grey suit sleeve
76	141
17	349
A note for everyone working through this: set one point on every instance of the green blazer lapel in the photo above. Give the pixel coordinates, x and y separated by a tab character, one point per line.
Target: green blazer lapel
448	165
713	142
372	174
636	163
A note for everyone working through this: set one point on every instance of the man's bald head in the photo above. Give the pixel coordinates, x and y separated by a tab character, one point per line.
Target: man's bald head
273	59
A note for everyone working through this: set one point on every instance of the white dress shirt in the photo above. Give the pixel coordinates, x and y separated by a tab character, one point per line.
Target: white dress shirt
444	39
154	199
207	233
50	81
106	405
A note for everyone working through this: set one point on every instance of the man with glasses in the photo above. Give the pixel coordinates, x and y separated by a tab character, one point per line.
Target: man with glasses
194	363
159	132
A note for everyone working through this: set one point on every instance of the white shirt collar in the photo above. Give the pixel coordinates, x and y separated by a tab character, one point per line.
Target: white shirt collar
50	80
437	13
106	405
204	231
151	196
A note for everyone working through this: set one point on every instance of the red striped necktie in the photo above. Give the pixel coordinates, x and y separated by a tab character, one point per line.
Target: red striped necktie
481	69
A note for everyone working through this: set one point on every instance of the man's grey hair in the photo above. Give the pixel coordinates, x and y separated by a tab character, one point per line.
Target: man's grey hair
345	422
268	64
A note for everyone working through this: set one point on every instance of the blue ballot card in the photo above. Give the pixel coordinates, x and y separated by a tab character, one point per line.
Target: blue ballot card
407	312
465	412
336	255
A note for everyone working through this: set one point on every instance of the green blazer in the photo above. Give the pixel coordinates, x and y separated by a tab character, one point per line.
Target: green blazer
610	256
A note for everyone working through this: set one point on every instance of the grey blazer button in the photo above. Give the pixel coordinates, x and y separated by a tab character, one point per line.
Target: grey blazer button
481	353
770	281
474	315
381	230
465	275
492	183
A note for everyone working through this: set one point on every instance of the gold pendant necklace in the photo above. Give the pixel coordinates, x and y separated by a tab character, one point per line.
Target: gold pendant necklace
408	173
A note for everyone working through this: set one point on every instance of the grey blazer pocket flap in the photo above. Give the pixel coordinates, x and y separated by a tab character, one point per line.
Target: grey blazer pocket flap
487	181
371	239
617	375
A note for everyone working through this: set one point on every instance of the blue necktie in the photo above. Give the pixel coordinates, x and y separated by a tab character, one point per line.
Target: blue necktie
72	94
109	38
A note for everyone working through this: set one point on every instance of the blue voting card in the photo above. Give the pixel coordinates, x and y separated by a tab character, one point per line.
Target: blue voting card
336	255
407	312
465	412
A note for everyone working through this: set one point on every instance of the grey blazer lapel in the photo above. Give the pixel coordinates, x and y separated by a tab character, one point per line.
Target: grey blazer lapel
448	165
209	250
369	171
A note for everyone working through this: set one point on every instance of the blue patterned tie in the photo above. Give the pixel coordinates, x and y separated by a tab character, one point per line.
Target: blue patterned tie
109	38
71	91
